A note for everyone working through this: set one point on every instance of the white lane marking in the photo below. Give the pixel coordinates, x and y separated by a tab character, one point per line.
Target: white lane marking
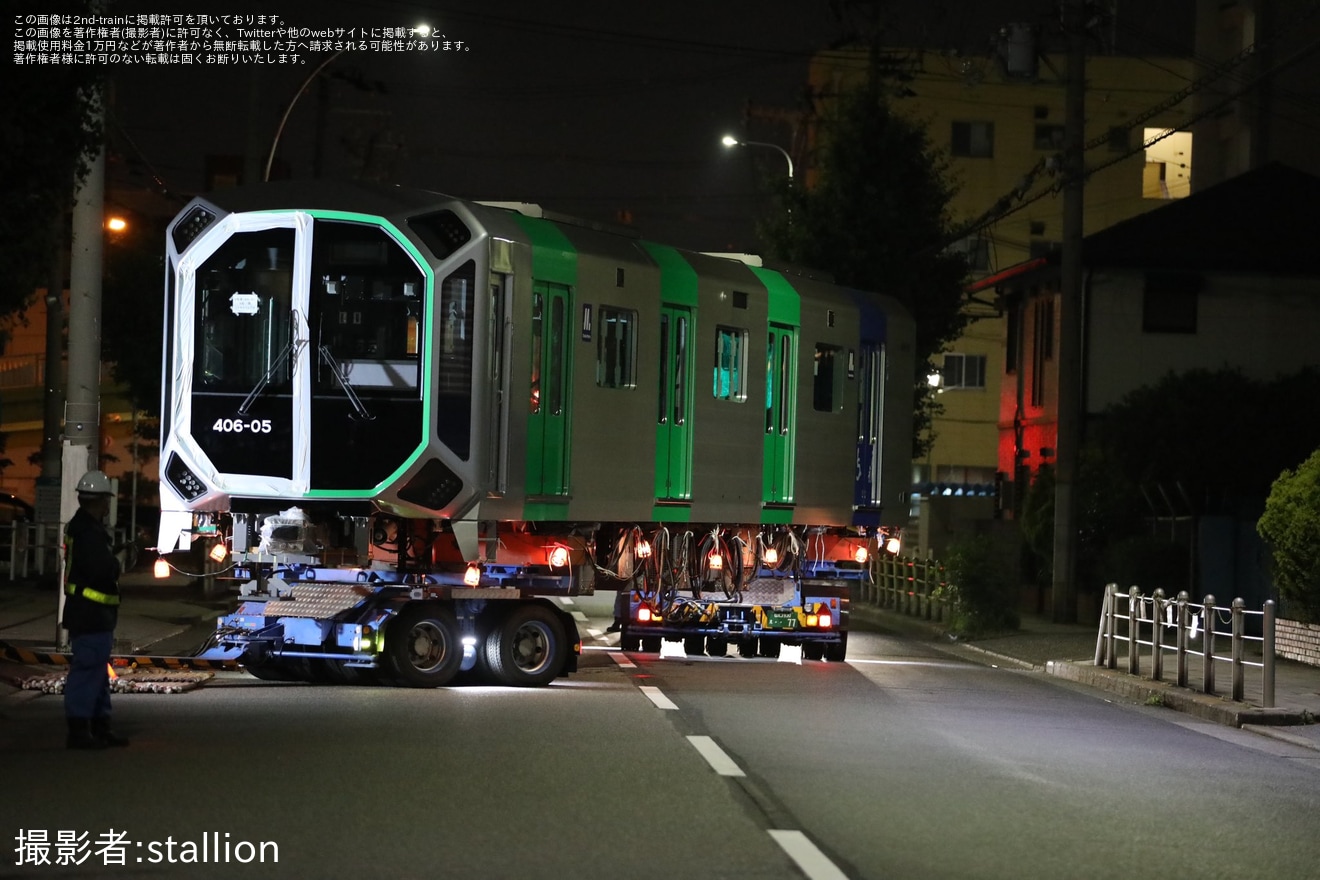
809	858
578	616
715	756
933	663
661	701
622	659
565	600
595	633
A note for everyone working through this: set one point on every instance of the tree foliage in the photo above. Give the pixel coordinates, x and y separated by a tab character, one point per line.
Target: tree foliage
47	132
877	218
1291	526
1217	437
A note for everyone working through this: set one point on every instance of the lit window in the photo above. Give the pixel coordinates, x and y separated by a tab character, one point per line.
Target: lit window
730	364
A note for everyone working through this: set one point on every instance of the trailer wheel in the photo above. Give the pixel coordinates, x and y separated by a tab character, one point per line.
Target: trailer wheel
271	670
629	640
747	647
813	650
694	646
651	644
717	646
770	648
527	648
837	652
422	646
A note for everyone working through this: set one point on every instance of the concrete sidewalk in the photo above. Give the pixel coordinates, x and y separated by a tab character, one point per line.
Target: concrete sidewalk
1068	651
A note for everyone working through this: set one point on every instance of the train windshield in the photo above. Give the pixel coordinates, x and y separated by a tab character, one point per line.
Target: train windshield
244	327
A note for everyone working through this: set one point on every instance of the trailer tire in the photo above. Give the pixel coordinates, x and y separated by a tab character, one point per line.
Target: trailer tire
694	646
651	644
770	648
422	646
837	652
628	640
813	650
747	647
717	646
271	670
527	648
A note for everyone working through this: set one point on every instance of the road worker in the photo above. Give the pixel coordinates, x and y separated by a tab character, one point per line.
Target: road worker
91	611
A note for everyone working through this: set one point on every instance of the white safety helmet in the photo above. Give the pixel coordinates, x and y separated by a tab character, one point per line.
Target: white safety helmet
94	483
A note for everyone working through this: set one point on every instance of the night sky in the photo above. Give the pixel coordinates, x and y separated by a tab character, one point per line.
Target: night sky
588	107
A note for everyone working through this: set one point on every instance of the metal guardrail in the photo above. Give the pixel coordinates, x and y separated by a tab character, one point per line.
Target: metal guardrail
1187	621
908	585
30	549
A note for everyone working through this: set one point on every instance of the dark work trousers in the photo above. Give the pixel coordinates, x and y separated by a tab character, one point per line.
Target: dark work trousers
87	686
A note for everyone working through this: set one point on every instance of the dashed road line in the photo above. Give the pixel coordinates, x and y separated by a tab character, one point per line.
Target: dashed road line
715	756
814	863
622	659
578	616
655	696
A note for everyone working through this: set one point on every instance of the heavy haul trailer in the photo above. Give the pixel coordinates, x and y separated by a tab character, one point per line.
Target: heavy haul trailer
414	420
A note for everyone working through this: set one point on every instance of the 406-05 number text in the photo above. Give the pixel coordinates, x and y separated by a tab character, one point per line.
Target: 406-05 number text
238	426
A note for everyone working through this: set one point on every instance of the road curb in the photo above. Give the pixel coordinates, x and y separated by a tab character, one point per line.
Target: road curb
1204	706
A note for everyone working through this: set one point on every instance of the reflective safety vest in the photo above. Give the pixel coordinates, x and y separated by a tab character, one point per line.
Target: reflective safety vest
71	589
92	595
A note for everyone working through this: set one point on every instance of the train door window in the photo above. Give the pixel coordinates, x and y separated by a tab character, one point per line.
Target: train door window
673	437
662	402
730	364
828	379
556	365
538	341
616	348
779	448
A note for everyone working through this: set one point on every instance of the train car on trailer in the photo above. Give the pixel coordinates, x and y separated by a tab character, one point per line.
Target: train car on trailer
413	420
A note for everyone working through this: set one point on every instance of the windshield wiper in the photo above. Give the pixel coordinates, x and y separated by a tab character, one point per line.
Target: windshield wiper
270	374
345	384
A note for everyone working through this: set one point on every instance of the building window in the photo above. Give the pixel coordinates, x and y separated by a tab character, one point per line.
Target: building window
976	248
1049	137
963	371
975	140
1042	248
1169	303
616	348
730	364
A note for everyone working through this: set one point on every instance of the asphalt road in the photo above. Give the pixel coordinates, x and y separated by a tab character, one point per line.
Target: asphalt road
903	763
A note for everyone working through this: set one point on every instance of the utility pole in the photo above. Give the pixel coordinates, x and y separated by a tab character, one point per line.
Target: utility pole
1064	592
82	407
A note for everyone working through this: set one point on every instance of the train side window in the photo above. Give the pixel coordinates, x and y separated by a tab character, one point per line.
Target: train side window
826	396
730	364
616	348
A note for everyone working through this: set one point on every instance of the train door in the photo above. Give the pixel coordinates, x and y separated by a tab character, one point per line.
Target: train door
780	415
548	422
870	419
673	436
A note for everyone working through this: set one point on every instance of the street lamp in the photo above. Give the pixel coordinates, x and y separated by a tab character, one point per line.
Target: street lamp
731	141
